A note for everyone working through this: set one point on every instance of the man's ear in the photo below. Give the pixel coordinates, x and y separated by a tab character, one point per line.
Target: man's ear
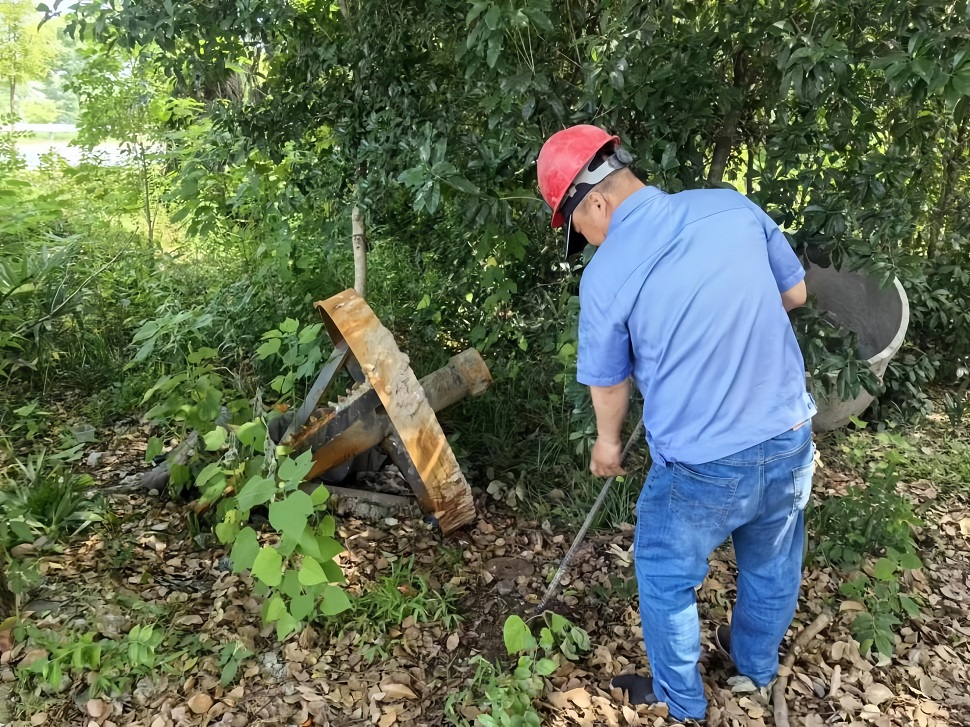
596	201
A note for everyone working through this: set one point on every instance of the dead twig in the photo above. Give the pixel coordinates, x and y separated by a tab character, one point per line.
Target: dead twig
778	694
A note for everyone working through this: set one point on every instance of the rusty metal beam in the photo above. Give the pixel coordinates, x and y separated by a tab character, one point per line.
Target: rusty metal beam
362	424
338	358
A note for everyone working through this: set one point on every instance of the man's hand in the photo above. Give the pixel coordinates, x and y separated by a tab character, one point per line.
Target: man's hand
607	458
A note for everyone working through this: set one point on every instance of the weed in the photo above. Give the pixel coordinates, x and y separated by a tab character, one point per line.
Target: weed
39	496
620	587
877	587
865	521
499	699
30	420
231	657
109	666
452	558
404	594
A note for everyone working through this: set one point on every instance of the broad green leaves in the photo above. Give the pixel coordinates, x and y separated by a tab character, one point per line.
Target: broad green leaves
268	566
257	491
335	600
296	565
290	515
252	434
244	550
517	636
215	439
293	470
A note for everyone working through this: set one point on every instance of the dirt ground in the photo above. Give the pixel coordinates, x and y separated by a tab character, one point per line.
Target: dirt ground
146	565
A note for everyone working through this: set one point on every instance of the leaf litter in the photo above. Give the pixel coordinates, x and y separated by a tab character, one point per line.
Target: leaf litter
146	566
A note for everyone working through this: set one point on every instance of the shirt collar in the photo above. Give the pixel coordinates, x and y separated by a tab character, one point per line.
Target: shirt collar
630	205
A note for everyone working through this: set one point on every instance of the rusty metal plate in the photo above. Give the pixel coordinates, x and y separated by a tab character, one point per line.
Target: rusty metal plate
441	487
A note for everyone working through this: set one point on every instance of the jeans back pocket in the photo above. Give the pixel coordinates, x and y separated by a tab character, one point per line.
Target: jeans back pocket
699	499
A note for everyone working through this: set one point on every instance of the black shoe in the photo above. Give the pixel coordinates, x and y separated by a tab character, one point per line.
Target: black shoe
639	690
722	639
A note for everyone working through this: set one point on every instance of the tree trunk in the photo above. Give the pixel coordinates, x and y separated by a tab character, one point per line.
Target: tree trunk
724	146
149	220
951	173
358	233
359	241
13	91
728	135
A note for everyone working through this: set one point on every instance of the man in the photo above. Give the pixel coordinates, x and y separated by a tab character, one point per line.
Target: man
688	293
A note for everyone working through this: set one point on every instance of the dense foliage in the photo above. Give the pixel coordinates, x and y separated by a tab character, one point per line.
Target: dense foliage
848	122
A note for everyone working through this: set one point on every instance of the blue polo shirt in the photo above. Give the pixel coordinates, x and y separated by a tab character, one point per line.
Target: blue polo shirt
685	295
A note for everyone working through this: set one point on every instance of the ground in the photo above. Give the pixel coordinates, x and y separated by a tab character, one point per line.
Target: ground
149	565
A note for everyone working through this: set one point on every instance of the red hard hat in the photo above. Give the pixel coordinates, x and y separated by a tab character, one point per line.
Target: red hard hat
562	157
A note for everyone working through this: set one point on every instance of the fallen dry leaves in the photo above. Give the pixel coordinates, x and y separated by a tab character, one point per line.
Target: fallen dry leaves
150	567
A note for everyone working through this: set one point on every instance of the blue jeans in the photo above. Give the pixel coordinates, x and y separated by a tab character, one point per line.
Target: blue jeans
758	497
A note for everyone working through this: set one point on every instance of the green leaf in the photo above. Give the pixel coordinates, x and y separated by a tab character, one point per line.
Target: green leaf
197	357
884	642
290	515
274	608
227	530
557	623
334	574
147	330
335	601
244	550
328	526
155	447
302	606
910	606
215	439
253	434
493	15
309	334
289	325
545	667
269	348
208	472
460	183
329	547
580	638
229	671
291	584
884	570
256	491
546	640
517	636
267	566
285	626
319	497
295	469
910	561
288	543
311	573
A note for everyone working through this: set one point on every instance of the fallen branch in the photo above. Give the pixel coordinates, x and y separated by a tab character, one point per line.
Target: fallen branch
778	694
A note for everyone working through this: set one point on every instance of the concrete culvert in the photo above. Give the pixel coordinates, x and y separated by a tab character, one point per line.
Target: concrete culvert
878	316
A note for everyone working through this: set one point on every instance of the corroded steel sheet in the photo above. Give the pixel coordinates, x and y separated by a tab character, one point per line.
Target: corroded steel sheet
436	478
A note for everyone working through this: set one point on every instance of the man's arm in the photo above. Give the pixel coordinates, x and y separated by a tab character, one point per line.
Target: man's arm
795	296
610	404
785	266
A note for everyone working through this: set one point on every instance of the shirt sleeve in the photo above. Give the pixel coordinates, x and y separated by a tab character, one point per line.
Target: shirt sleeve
604	357
785	265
